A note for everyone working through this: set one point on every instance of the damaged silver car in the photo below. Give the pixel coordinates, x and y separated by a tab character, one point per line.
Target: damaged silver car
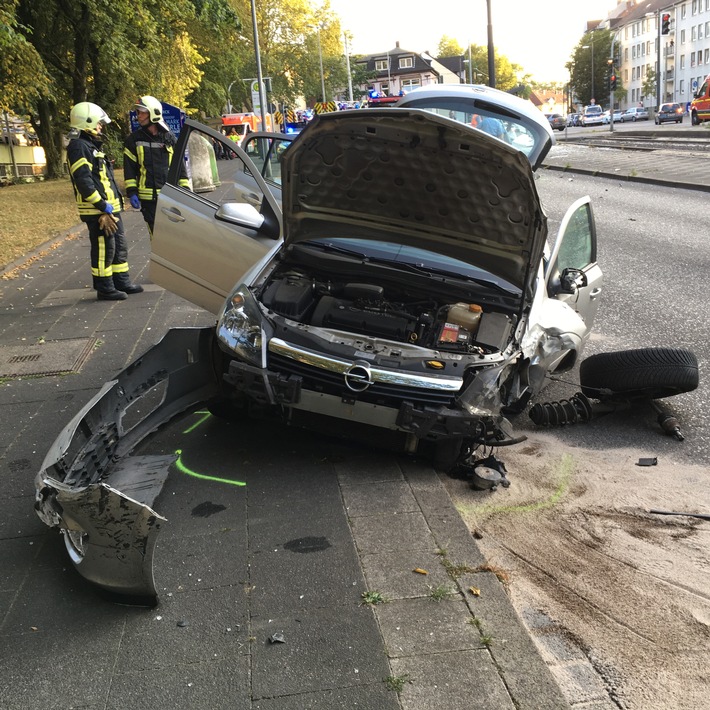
406	285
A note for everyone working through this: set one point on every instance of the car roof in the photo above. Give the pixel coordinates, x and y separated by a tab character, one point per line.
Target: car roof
483	100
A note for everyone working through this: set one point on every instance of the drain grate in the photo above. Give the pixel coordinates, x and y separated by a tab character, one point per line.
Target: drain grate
54	357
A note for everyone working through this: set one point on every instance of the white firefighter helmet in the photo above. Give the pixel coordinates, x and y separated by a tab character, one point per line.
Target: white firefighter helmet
154	109
86	116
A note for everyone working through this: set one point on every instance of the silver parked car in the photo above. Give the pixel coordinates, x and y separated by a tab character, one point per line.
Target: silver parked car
406	285
635	113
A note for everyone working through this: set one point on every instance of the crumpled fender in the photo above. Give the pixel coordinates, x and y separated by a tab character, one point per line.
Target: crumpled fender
99	496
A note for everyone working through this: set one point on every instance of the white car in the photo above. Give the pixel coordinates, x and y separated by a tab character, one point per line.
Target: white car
405	286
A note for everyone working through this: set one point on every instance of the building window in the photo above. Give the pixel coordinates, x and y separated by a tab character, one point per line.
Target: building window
683	12
681	87
682	61
408	84
707	56
381	65
707	28
633	73
693	33
694	11
700	31
406	62
682	36
700	57
692	59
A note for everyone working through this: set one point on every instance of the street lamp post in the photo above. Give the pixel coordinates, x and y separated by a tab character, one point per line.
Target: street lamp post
259	76
591	46
320	58
229	96
658	69
347	62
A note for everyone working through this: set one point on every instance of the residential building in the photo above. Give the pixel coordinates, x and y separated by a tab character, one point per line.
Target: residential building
681	58
400	70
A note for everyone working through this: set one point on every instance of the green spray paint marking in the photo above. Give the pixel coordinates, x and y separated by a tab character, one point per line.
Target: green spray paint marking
564	474
202	420
184	469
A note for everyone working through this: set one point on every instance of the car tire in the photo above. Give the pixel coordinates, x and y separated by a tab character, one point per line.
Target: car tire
643	373
694	119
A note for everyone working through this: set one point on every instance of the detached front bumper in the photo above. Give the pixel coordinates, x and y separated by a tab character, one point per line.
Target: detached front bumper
99	496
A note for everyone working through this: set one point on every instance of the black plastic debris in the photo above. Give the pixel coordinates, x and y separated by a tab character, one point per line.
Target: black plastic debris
702	516
647	462
182	623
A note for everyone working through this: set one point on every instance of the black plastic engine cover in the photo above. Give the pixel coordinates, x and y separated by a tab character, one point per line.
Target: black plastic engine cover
291	296
344	315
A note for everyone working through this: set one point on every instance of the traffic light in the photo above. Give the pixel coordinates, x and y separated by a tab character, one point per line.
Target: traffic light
665	23
612	82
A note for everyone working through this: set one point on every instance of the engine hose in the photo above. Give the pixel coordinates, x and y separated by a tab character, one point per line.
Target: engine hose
576	409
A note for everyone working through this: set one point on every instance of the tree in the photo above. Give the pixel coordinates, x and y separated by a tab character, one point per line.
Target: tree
506	71
448	47
650	85
592	50
23	77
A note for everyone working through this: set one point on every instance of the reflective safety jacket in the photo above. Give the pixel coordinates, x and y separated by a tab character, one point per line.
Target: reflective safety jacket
146	160
91	176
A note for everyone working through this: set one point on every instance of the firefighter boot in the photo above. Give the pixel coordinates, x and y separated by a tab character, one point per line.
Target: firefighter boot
122	282
105	290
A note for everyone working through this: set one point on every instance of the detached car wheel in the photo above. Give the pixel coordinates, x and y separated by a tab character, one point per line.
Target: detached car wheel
644	373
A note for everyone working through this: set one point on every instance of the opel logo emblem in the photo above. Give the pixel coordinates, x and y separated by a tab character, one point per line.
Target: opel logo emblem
357	378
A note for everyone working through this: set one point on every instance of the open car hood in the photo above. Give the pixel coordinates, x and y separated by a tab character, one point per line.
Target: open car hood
411	177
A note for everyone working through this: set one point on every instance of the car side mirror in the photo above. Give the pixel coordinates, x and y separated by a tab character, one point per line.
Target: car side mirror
241	214
571	280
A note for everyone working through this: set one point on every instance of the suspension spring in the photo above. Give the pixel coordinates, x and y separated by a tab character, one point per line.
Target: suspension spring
574	410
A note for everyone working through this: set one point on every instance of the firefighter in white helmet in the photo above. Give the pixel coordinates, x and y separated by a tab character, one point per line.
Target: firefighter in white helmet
99	202
147	155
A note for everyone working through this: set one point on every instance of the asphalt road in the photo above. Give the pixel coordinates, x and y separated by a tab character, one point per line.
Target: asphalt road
654	252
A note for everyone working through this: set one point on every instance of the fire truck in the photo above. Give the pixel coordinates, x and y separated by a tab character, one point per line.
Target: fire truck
700	105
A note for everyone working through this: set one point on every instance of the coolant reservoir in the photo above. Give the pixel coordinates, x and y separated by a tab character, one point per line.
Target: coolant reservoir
467	315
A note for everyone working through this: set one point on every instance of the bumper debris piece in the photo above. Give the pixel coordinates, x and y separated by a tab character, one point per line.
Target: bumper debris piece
99	496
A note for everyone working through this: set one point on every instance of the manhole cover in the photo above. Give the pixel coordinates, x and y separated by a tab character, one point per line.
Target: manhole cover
54	357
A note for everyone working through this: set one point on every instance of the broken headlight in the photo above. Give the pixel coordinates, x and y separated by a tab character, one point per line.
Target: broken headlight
239	327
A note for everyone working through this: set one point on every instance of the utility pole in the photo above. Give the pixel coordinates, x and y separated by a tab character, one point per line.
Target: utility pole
259	76
347	62
491	50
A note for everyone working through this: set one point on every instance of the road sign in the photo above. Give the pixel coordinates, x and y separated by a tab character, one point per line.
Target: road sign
695	84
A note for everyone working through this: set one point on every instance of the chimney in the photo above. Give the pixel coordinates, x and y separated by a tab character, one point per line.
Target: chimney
396	44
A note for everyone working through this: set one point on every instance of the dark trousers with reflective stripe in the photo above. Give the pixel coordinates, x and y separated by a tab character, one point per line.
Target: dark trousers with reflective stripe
109	254
148	212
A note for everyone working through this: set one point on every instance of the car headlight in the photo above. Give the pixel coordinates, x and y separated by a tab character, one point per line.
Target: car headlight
239	327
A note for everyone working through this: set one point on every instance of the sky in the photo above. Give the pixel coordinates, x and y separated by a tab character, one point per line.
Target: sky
539	35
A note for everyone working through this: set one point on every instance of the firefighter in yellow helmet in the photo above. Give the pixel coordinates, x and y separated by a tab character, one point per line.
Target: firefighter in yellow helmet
99	202
147	155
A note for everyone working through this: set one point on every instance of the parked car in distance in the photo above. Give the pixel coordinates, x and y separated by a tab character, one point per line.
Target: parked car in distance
592	116
669	113
635	113
607	116
557	121
572	119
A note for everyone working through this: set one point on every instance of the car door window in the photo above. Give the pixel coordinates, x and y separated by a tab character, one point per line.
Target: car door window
213	169
265	152
577	248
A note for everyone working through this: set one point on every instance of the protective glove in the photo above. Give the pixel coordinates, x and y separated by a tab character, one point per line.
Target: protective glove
108	223
109	208
135	202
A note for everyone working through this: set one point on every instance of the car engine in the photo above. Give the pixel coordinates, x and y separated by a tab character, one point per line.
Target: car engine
368	309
